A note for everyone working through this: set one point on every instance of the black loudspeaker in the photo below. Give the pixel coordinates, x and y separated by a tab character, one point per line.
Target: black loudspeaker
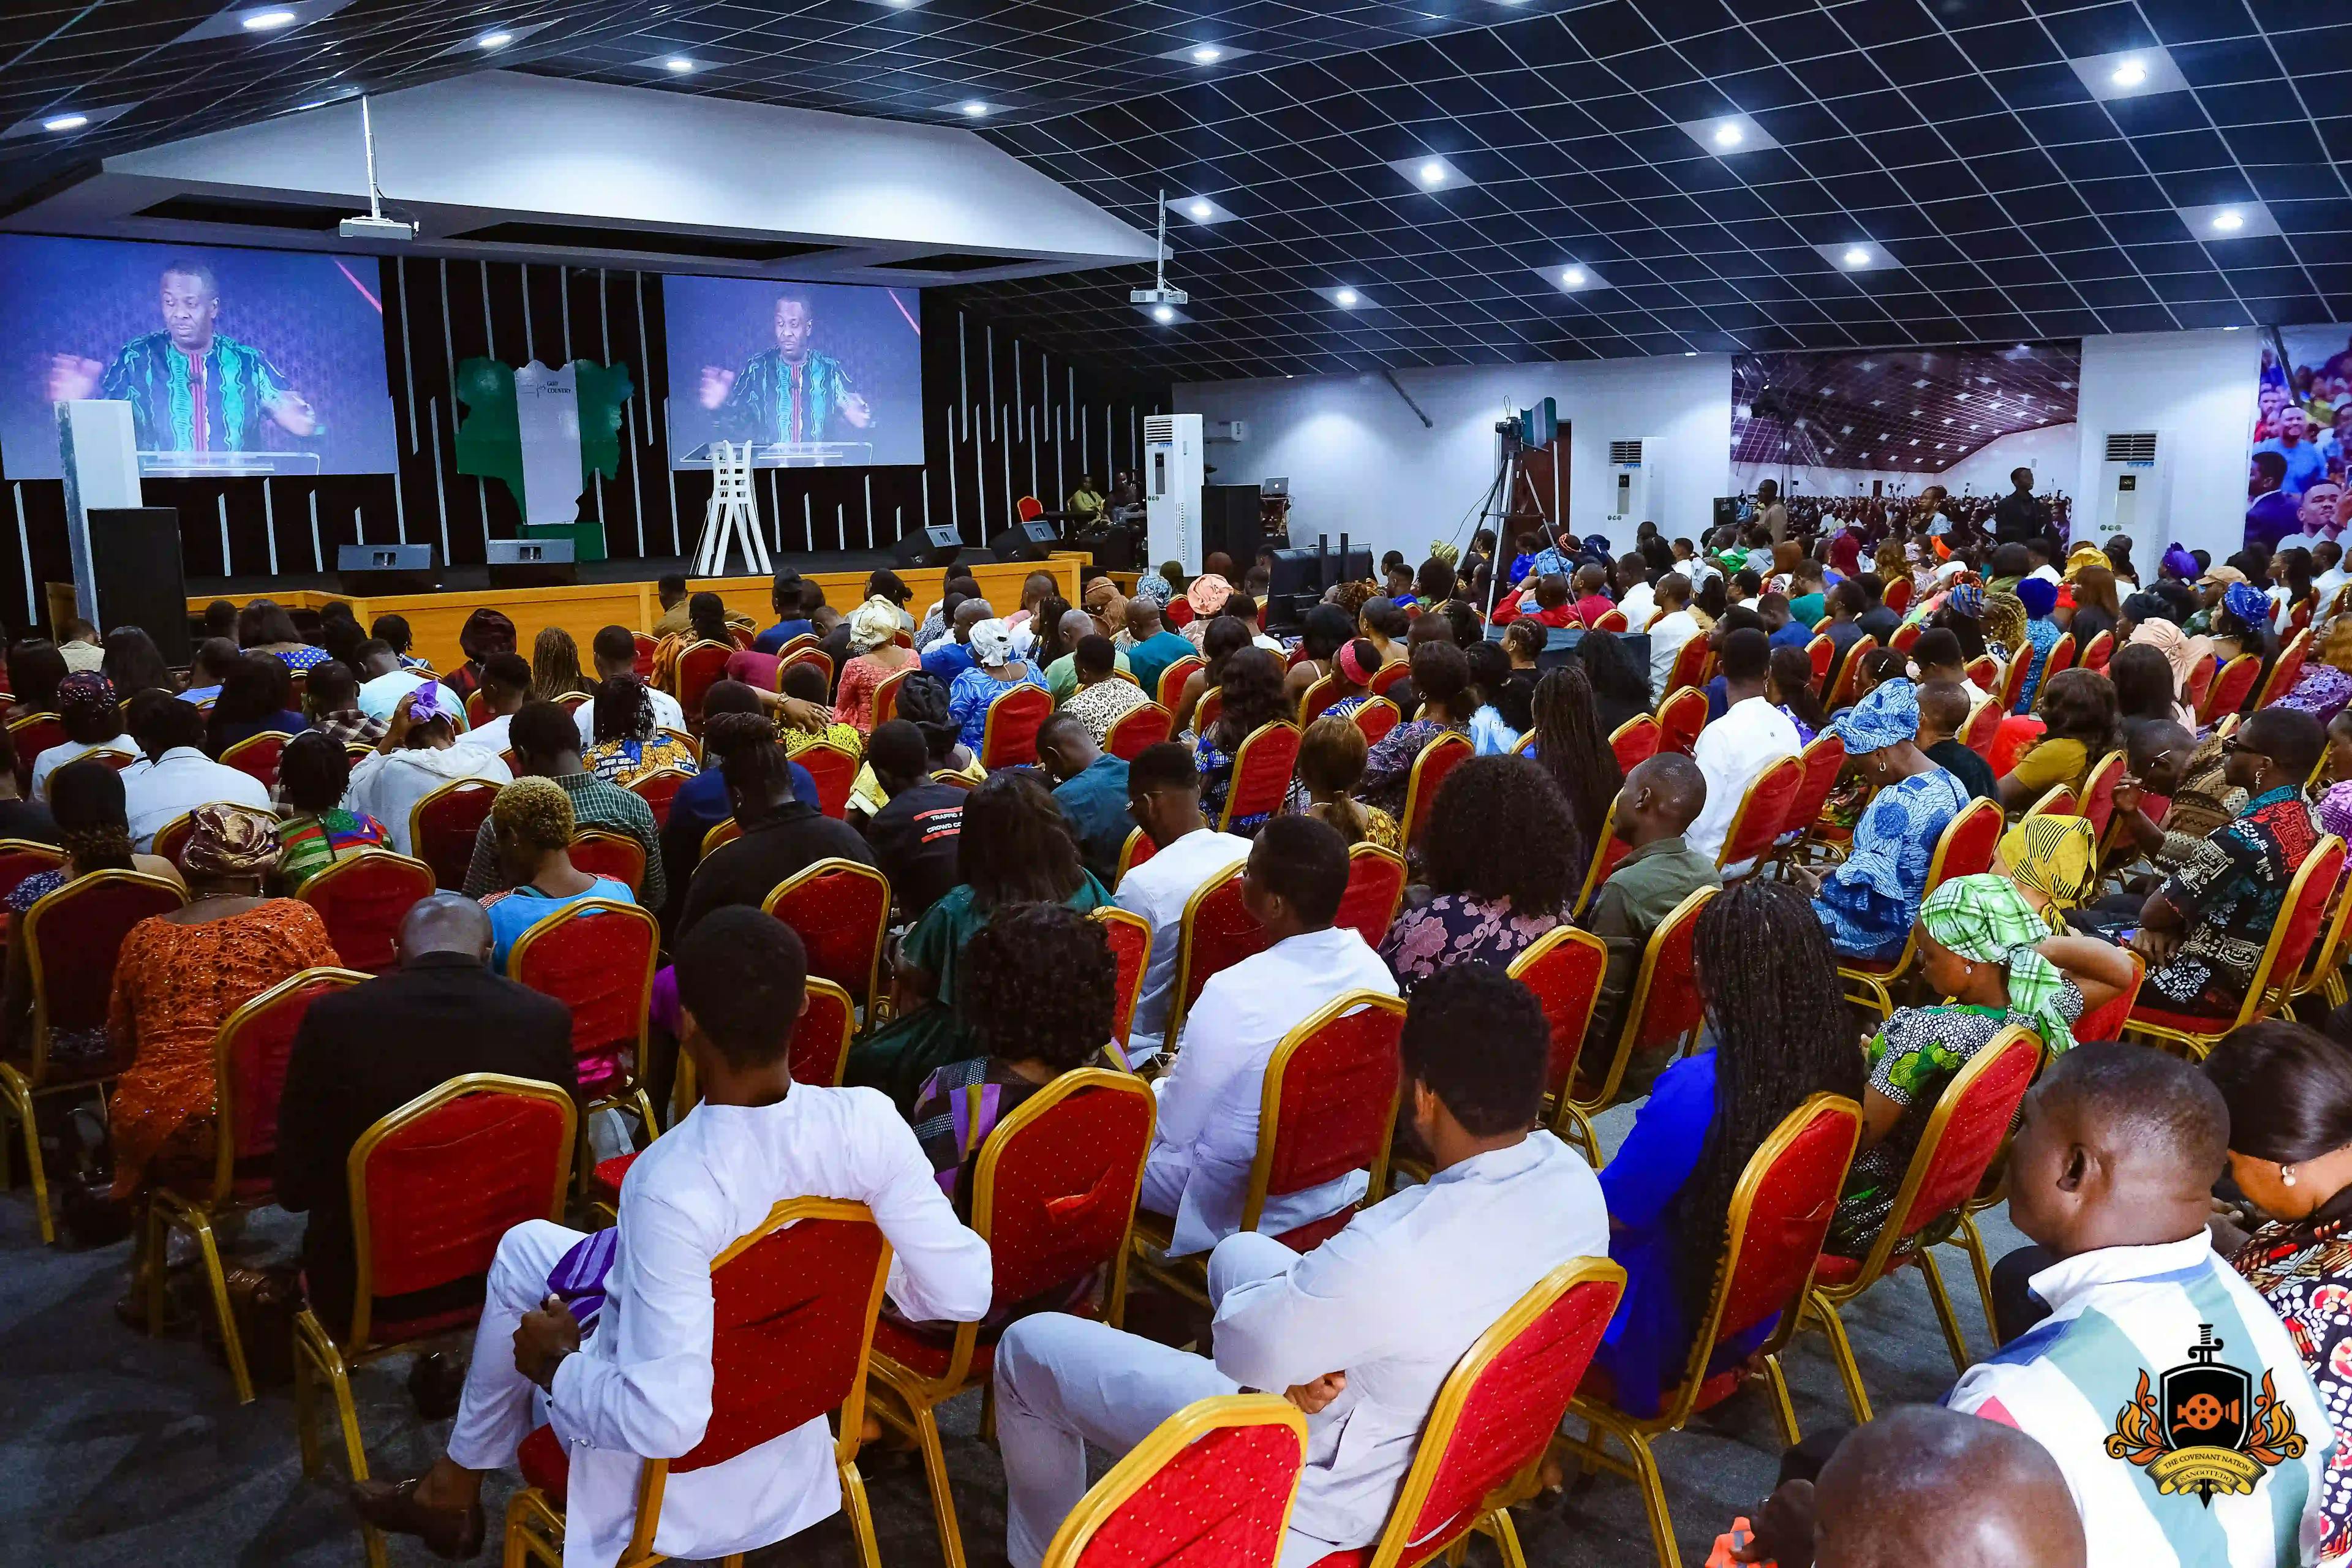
532	563
370	568
1025	542
134	559
934	546
1230	521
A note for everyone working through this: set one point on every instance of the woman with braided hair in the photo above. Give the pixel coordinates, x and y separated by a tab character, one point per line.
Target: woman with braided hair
1572	746
1780	1034
627	745
531	824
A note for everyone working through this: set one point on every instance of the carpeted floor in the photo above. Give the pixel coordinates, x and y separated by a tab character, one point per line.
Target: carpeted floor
119	1451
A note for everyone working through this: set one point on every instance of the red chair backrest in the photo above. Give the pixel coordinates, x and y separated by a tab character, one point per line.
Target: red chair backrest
2099	793
2200	681
1680	718
596	957
821	1044
839	909
1376	879
1130	938
74	937
647	646
1609	621
1014	716
442	826
1636	742
835	771
1762	811
250	1055
1316	697
1172	680
1968	843
1218	1501
657	789
1388	675
886	692
1897	596
2108	1023
1971	1121
1332	1087
811	654
2306	911
2062	656
1688	662
1983	728
1375	716
21	857
1670	1006
700	668
477	708
1822	761
2012	681
2285	672
1792	1184
1218	934
2230	688
2101	649
603	853
1061	1181
1564	970
1139	728
32	735
1984	673
1905	636
1848	674
1443	754
1207	711
1824	653
362	898
1262	772
258	755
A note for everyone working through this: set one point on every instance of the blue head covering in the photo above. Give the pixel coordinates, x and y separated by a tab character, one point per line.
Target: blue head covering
2039	596
2248	603
2180	563
1968	599
1155	590
1890	713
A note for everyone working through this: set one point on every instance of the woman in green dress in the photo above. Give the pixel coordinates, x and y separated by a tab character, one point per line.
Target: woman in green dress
1015	848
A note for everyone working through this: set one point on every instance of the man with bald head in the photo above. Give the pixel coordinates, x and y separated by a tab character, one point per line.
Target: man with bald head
368	1050
1062	675
950	657
1661	798
1151	646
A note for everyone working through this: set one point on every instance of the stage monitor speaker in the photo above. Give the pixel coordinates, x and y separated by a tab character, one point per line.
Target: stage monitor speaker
135	558
368	569
1230	521
938	545
532	563
1028	541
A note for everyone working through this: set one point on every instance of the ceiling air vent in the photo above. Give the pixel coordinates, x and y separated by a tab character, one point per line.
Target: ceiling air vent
1625	451
2132	446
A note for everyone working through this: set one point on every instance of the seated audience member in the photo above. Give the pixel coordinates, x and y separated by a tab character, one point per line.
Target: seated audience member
1660	798
1327	629
951	655
1546	602
330	697
1360	1332
1099	699
874	657
34	668
1674	627
555	666
2111	1175
1937	655
1876	619
177	777
1502	858
30	819
392	630
1061	669
1569	744
314	830
996	670
643	1379
1205	597
1629	580
1592	602
922	702
1982	945
134	664
1198	1172
505	688
805	684
1868	901
1164	796
938	621
92	721
1780	625
1090	786
1846	604
1387	628
1331	755
670	591
1789	686
385	679
531	824
1441	681
1491	731
2042	634
627	745
1040	997
361	1054
701	803
417	755
208	667
1944	709
265	627
77	641
1013	847
1222	637
1151	647
791	620
914	837
1620	684
1734	750
2203	931
1808	595
1252	698
1779	1036
255	700
2326	684
181	975
545	743
783	836
616	653
486	632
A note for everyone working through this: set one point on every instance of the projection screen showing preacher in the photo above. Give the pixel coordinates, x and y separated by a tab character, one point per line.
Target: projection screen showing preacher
233	361
812	374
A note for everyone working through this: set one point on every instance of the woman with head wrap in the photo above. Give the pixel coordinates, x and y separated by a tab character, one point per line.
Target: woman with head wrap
92	721
2003	618
995	672
1980	943
1205	595
874	657
2038	597
486	632
531	824
2241	626
627	743
1868	901
2053	861
181	975
2178	565
418	754
2187	655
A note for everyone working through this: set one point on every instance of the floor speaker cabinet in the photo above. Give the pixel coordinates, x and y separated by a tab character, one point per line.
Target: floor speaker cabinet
532	563
1230	521
370	569
1026	542
134	556
937	546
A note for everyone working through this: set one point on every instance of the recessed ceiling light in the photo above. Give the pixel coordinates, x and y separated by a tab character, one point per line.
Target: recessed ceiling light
1857	256
2131	73
494	40
1690	353
1163	313
973	110
1730	135
1433	174
270	21
1208	53
677	63
2229	328
2228	220
1201	209
1571	276
1345	297
66	122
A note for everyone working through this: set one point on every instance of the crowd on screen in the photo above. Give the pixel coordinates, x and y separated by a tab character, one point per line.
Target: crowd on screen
2154	751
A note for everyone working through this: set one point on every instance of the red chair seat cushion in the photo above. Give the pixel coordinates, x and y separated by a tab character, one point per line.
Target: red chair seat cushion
2187	1022
1601	1388
604	1182
1881	966
1315	1233
1835	1271
1355	1558
927	1354
544	1464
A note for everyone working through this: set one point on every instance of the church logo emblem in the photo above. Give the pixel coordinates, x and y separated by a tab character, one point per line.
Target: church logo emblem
2203	1428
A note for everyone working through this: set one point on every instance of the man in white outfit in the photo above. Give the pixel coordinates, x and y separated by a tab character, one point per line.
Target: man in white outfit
1198	1171
1164	796
641	1383
1359	1334
1732	751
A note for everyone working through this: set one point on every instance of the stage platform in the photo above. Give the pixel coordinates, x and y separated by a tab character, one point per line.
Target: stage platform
616	593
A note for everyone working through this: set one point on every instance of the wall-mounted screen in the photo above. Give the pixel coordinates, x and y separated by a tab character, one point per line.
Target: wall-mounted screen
233	361
812	374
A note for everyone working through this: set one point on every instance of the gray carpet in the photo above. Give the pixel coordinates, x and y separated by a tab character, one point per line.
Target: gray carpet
119	1451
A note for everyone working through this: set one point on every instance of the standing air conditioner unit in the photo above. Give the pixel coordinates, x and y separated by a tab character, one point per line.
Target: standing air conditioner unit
2131	500
1173	473
1631	503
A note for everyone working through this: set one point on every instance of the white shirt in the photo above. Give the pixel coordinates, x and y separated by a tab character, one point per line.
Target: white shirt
387	785
155	794
2328	583
490	734
1157	889
65	751
2123	1314
641	1384
1666	639
1638	606
2046	574
667	715
1938	525
1731	752
1207	1134
1394	1301
379	698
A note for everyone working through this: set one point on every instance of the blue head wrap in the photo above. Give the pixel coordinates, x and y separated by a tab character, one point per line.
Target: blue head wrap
1890	713
2248	603
2039	596
1968	599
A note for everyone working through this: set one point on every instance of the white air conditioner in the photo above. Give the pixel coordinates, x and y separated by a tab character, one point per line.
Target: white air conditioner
1631	500
1227	430
2131	499
1173	476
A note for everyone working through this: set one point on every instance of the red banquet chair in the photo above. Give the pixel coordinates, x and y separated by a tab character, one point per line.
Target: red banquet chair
1772	1240
443	826
1634	741
22	858
1763	809
1376	879
807	653
834	769
1848	674
700	668
1663	1009
841	911
1129	936
478	709
2293	934
2098	652
1822	761
249	1056
1688	663
1215	934
1009	732
1172	680
1446	752
1218	1475
72	938
1262	770
1137	729
1610	621
1375	716
886	691
258	755
1983	729
1208	710
2285	671
793	1308
1824	653
646	645
2099	794
2062	656
361	899
32	735
1564	970
1680	719
596	957
1138	849
434	1187
1054	1193
1324	692
1897	596
603	852
1607	855
1386	677
657	789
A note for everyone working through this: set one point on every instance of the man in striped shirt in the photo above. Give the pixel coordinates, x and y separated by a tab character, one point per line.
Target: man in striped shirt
2167	1390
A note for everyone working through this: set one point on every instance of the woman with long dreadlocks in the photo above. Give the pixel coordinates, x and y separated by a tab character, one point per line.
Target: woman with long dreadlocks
1780	1034
1572	746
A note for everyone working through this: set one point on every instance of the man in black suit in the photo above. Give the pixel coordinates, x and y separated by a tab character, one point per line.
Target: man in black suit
363	1053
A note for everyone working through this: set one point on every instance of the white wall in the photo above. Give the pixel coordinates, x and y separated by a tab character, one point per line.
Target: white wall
1358	459
2197	390
2052	452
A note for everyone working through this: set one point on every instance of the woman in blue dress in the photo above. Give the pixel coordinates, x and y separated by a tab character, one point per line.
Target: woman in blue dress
1868	902
995	672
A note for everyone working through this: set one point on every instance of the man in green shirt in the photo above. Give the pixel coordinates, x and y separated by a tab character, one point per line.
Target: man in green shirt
1085	503
1661	797
1062	675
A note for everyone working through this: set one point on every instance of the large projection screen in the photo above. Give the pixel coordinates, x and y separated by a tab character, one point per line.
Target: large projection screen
233	361
812	374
